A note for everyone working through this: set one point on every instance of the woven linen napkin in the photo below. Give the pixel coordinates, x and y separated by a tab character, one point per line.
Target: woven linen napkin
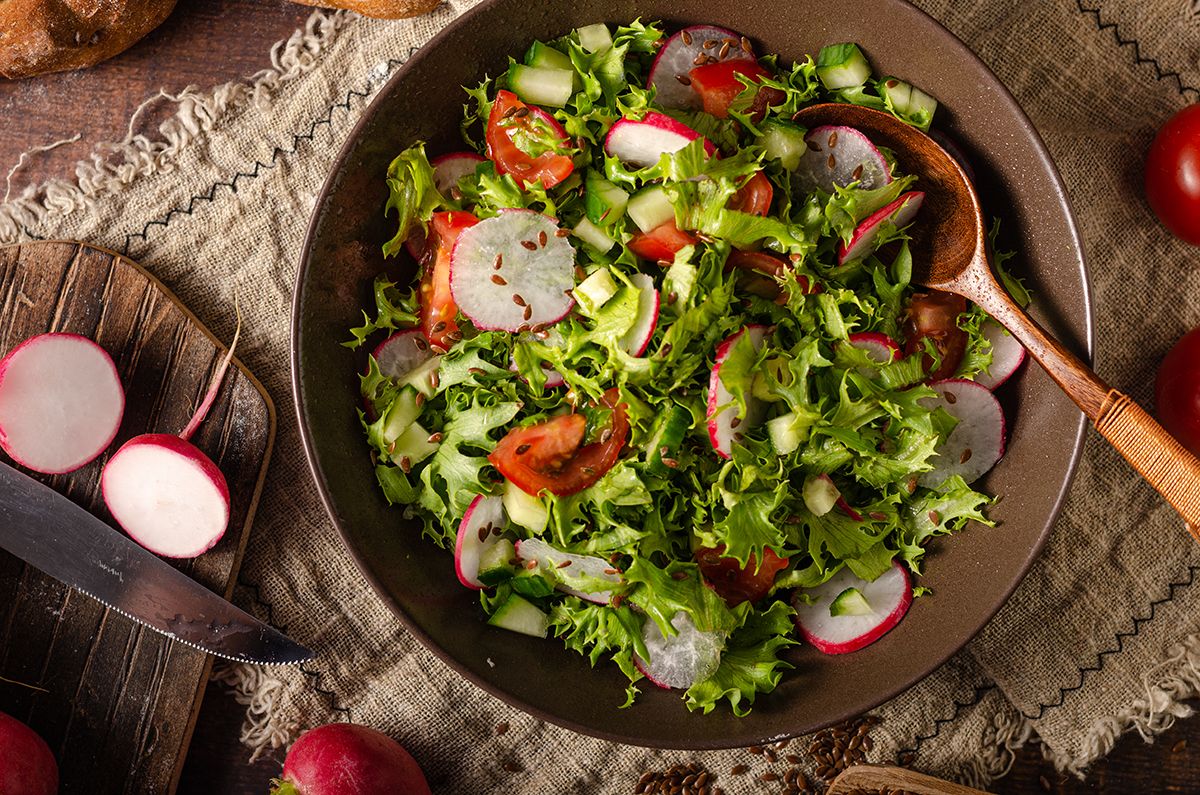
1103	635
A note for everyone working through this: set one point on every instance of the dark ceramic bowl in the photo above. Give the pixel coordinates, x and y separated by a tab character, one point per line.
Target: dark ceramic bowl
971	573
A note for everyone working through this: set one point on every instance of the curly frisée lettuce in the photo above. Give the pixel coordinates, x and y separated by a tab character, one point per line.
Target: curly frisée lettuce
608	453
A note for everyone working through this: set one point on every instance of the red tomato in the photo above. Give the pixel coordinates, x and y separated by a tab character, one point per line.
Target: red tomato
756	262
754	197
548	455
508	117
660	243
935	315
736	584
1172	179
438	310
718	85
1177	391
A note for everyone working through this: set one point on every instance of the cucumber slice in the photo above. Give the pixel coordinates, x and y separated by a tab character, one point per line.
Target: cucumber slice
650	208
421	377
494	566
414	444
402	413
897	92
595	38
604	201
849	602
525	510
785	433
842	66
784	142
595	291
663	448
543	56
820	495
518	614
593	235
550	87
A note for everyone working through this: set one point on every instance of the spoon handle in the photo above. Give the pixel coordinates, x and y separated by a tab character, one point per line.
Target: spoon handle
881	778
1153	452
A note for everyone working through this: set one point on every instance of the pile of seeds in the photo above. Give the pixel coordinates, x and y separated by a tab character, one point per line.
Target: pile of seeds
836	748
690	779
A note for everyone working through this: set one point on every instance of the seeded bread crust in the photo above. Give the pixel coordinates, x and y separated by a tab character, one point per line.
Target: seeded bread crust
380	9
39	36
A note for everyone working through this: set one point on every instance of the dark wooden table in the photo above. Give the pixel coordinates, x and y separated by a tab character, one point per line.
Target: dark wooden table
208	42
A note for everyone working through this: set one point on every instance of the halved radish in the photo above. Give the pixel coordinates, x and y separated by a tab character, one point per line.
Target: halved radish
882	605
568	566
839	155
479	529
61	402
1007	355
513	272
976	443
685	658
897	213
638	337
679	55
723	419
448	169
644	142
879	347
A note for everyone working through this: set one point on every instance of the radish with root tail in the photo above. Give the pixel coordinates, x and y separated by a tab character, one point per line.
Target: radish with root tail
168	495
61	402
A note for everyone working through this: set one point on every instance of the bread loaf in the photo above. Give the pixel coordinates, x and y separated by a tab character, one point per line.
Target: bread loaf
380	9
38	36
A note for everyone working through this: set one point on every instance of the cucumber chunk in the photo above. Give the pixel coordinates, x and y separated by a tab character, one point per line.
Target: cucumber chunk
525	510
402	413
595	38
543	56
494	566
665	440
518	614
550	87
850	602
414	445
650	208
842	66
593	235
604	201
595	291
784	142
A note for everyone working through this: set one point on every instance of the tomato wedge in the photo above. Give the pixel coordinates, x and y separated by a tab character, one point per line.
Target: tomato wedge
735	583
660	243
551	455
760	262
718	86
754	196
438	310
935	315
511	116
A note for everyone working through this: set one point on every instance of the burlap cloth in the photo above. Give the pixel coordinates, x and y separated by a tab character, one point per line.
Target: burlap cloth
1103	635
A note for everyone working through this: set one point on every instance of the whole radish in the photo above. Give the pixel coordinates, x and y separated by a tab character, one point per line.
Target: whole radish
27	766
349	759
167	494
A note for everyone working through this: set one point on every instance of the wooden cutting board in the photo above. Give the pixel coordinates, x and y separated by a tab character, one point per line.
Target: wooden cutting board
116	701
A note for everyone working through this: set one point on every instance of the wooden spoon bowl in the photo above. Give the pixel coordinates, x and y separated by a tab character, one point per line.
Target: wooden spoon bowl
950	252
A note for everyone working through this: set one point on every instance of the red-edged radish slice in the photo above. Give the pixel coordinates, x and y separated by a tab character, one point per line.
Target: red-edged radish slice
402	353
61	402
476	533
644	142
678	57
879	347
569	565
169	496
723	420
886	601
897	213
682	660
532	286
839	155
1007	355
976	443
638	337
449	169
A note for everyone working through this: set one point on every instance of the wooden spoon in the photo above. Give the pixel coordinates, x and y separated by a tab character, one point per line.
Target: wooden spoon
949	249
874	778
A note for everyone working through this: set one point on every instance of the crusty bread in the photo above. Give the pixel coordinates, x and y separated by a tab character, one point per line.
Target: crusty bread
38	36
380	9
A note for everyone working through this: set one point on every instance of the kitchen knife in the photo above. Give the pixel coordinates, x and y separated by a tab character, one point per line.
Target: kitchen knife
51	533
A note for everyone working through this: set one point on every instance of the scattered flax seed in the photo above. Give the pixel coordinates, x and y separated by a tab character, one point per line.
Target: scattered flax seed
746	45
420	399
934	518
736	421
755	749
501	727
434	380
560	232
670	462
508	113
528	313
833	139
521	112
769	777
529	245
679	575
794	520
965	457
892	83
580	273
517	561
813	146
498	262
405	464
421	344
455	192
475	371
687	37
831	162
1045	784
857	173
672	297
911	486
563	565
522	449
532	564
699	60
724	50
454	336
877	516
950	398
737	770
1179	746
513	767
684	79
709	44
542	238
617	601
439	326
518	300
498	279
611	572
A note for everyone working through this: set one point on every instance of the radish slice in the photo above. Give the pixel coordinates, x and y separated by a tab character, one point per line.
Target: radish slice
644	142
167	495
839	155
682	660
678	57
887	598
898	214
479	529
569	565
61	402
722	413
449	169
976	443
402	353
1007	355
879	347
638	337
532	285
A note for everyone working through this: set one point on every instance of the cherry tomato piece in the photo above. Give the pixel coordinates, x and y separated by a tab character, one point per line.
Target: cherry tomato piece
1177	391
660	243
1172	178
760	265
438	310
754	196
718	86
735	583
551	455
935	315
510	116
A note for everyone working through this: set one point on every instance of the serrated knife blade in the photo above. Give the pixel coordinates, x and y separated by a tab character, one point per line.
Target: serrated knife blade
53	534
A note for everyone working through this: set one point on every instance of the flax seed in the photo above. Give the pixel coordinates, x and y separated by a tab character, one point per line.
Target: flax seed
421	344
724	50
950	397
769	777
912	485
1179	746
737	770
792	759
542	238
512	767
475	371
831	162
709	44
562	232
509	113
965	457
528	313
435	438
580	273
501	727
794	520
746	45
1044	783
518	300
439	326
813	146
521	112
498	279
687	37
405	464
679	576
529	245
934	518
522	449
684	80
877	516
857	173
672	297
483	534
420	399
563	565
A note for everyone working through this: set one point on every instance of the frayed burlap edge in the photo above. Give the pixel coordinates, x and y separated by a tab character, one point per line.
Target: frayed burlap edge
112	167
